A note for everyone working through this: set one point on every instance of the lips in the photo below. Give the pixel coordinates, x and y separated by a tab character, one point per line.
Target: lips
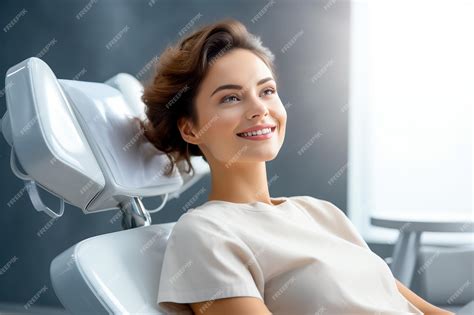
258	127
271	128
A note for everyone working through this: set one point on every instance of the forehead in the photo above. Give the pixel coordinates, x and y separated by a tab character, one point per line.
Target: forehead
239	66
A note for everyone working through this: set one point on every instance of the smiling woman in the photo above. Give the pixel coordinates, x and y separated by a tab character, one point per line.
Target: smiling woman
244	252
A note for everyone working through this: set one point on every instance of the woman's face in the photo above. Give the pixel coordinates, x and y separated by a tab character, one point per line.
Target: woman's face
224	112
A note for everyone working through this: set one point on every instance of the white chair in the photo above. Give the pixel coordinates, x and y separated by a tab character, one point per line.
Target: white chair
115	273
82	142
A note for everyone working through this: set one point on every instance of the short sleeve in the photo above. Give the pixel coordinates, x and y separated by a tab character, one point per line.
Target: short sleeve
205	261
341	223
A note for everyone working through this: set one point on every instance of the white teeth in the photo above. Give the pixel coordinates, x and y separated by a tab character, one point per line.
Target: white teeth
263	131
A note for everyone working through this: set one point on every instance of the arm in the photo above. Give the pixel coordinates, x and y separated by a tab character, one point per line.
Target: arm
231	306
421	304
250	305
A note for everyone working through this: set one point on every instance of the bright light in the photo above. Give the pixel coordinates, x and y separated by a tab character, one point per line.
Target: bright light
421	93
411	111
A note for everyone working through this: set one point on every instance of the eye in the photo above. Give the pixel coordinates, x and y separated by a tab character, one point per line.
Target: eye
230	98
269	89
224	100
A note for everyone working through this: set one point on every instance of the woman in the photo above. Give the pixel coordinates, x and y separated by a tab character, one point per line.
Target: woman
243	252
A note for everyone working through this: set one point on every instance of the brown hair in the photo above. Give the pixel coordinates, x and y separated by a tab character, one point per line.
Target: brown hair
181	68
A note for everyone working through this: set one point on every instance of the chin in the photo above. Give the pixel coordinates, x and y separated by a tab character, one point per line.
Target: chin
261	157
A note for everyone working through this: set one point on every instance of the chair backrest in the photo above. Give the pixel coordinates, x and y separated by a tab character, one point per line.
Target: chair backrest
115	273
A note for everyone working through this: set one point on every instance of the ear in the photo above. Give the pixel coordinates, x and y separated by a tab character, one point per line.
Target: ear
185	127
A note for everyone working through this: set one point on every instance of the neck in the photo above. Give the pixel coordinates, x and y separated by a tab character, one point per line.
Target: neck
240	183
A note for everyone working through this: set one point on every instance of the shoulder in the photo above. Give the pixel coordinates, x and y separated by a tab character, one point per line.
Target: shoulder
334	220
318	206
202	232
324	212
313	201
195	225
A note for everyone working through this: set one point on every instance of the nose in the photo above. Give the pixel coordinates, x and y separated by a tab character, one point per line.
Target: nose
257	108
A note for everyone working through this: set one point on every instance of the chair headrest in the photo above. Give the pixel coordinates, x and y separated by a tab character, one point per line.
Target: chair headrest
132	90
82	141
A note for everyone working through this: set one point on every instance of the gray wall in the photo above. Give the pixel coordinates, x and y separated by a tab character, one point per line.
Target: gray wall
313	76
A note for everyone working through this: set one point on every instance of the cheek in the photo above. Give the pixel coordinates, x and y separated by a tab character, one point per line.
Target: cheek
221	130
228	121
281	114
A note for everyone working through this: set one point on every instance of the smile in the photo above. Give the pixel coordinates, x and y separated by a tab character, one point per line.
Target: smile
262	134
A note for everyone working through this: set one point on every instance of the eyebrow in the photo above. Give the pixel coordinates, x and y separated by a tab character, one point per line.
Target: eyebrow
238	87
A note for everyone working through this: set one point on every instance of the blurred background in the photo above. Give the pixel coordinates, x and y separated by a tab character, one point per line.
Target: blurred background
379	96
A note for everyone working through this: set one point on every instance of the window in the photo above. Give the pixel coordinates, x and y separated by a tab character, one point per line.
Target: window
411	113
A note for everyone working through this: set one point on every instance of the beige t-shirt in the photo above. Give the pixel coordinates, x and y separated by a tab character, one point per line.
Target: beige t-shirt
302	256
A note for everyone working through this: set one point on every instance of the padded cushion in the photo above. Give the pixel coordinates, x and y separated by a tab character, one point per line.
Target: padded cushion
116	273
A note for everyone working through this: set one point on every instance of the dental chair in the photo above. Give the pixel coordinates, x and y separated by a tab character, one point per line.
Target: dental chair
82	142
